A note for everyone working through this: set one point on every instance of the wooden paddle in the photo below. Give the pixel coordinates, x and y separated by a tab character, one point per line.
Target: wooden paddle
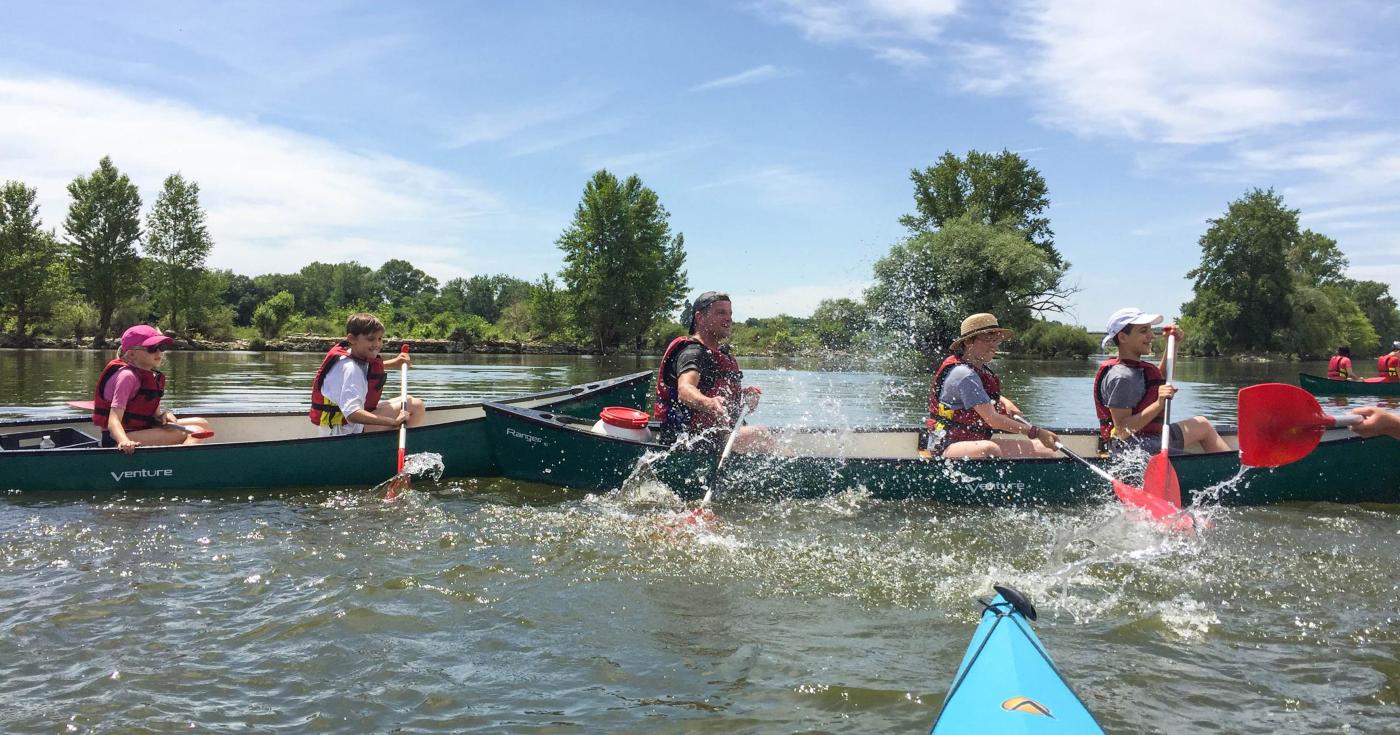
402	481
1282	423
1160	510
1159	479
196	433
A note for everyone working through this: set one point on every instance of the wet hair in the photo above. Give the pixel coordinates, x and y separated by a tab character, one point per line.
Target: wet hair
362	324
1344	351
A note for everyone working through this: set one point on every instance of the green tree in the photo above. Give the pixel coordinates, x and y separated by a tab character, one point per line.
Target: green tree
399	280
1265	285
1244	277
489	296
926	285
242	294
996	189
838	323
272	315
549	308
31	275
103	226
177	243
1379	306
622	267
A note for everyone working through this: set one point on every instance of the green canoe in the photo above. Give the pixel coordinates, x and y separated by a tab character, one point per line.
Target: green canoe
274	450
547	447
1327	387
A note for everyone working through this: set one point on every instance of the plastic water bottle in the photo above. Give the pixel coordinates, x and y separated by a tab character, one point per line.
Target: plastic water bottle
46	442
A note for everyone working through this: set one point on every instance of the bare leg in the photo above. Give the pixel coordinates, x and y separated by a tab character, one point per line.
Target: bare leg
1024	448
390	409
754	440
973	450
1198	430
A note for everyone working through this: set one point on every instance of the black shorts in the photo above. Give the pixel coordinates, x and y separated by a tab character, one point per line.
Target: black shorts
107	441
1151	443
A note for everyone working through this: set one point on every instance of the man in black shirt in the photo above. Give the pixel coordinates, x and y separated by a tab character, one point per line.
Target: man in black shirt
699	384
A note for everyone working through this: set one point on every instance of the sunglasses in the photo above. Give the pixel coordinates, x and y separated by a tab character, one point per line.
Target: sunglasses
154	350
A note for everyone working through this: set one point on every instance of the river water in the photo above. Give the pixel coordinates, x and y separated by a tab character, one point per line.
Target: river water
498	607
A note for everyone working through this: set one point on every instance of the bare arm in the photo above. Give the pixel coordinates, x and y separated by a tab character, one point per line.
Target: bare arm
118	432
688	392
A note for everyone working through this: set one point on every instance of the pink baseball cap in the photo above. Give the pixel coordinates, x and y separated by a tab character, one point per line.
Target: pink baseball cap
143	335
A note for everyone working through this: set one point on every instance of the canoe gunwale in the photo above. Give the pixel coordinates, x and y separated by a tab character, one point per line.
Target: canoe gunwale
574	391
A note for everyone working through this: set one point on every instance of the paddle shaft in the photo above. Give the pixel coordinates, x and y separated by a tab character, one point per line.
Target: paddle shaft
728	447
403	406
1167	405
1065	451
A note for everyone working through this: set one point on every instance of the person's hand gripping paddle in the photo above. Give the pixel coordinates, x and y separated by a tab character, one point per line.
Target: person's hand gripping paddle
402	481
1159	479
1282	423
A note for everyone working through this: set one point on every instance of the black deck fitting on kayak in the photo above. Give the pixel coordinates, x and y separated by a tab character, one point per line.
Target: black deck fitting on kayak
1017	600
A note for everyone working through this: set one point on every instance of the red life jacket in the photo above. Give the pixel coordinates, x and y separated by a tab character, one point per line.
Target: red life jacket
142	410
961	424
324	412
1151	373
1388	367
1336	370
725	381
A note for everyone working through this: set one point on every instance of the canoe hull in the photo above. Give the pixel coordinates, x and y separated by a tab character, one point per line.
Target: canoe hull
535	446
1320	386
457	433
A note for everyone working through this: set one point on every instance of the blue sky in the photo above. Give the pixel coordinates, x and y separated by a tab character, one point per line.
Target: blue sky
779	135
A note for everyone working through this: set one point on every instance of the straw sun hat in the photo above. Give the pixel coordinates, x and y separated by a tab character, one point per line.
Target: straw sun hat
979	324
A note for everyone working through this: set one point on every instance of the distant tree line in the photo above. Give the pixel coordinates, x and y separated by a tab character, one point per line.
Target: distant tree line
978	240
624	274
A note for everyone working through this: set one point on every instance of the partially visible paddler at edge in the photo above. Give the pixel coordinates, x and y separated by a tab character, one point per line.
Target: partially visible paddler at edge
1130	395
1388	366
699	383
345	394
966	407
126	401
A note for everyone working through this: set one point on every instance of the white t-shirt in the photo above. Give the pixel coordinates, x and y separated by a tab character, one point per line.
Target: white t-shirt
346	385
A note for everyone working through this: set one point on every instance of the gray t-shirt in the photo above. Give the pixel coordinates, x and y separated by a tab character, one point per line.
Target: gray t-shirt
1122	387
963	389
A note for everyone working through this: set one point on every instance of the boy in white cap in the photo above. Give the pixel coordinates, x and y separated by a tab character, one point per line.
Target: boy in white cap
1130	395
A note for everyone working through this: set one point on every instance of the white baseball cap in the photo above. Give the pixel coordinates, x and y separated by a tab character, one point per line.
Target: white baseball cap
1123	318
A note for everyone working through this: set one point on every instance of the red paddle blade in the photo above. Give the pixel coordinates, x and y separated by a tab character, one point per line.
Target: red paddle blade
1164	513
1279	424
1159	480
400	483
202	434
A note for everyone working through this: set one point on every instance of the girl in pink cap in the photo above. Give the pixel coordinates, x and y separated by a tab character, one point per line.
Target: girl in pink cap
126	402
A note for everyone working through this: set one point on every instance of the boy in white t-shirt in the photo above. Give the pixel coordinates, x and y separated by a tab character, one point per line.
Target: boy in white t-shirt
345	396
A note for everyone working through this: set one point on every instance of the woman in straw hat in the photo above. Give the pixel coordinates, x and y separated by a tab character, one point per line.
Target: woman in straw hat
966	408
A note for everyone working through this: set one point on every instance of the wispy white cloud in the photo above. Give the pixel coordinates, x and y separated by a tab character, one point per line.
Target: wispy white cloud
755	75
863	21
904	58
778	185
493	126
275	199
1194	71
